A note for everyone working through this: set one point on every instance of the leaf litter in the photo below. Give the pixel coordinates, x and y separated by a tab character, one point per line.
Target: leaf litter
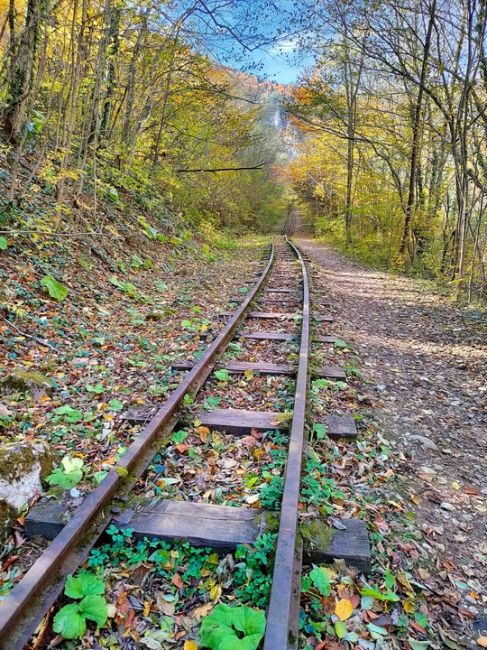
422	506
110	347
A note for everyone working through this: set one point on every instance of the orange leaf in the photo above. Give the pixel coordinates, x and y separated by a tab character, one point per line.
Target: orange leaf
203	434
177	581
183	448
344	609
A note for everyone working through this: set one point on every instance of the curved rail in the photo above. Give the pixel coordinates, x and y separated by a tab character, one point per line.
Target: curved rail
31	598
281	617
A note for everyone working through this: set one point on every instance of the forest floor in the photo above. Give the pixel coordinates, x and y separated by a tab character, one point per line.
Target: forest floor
68	368
425	361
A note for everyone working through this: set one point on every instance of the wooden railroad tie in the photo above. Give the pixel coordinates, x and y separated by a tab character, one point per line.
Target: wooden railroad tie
340	426
241	422
279	290
201	524
263	314
347	540
327	318
270	336
286	336
273	314
219	527
331	338
264	368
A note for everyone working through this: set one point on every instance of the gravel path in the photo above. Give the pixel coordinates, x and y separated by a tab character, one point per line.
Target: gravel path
425	360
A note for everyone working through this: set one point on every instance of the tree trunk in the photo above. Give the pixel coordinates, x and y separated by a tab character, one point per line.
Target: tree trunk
114	47
22	73
416	126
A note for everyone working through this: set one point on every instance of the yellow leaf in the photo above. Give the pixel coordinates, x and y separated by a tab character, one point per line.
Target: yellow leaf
330	572
402	579
408	606
216	592
190	645
147	606
344	609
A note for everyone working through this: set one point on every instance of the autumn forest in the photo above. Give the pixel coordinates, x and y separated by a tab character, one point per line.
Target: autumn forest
380	142
243	324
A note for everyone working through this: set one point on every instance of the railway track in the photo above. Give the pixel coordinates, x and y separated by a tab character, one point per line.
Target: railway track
280	303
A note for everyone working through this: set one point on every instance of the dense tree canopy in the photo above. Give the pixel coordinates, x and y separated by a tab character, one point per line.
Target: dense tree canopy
385	139
103	96
393	124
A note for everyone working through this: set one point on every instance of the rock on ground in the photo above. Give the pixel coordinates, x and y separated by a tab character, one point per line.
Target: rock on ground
22	467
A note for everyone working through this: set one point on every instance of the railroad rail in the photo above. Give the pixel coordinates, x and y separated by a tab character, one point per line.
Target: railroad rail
38	590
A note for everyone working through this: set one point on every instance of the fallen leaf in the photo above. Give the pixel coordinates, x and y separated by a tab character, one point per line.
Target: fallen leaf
177	581
249	441
190	645
183	448
344	609
216	592
203	434
408	606
202	610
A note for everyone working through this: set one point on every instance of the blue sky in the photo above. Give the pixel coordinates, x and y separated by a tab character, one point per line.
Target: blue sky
284	61
245	23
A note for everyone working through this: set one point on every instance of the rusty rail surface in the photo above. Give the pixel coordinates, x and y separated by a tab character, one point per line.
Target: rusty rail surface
24	608
282	617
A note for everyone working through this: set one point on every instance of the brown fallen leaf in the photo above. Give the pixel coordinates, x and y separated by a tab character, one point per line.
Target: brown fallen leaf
183	448
177	581
201	611
249	441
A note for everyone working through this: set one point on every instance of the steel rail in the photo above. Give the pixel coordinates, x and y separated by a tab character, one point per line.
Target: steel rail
281	616
29	601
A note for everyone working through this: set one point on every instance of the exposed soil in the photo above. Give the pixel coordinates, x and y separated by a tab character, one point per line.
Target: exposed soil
425	361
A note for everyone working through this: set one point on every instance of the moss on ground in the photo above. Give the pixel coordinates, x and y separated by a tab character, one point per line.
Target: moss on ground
316	534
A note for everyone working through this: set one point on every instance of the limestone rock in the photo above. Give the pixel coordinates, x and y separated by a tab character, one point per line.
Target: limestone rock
22	466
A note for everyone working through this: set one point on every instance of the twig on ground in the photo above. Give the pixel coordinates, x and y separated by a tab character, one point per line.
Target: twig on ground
31	336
